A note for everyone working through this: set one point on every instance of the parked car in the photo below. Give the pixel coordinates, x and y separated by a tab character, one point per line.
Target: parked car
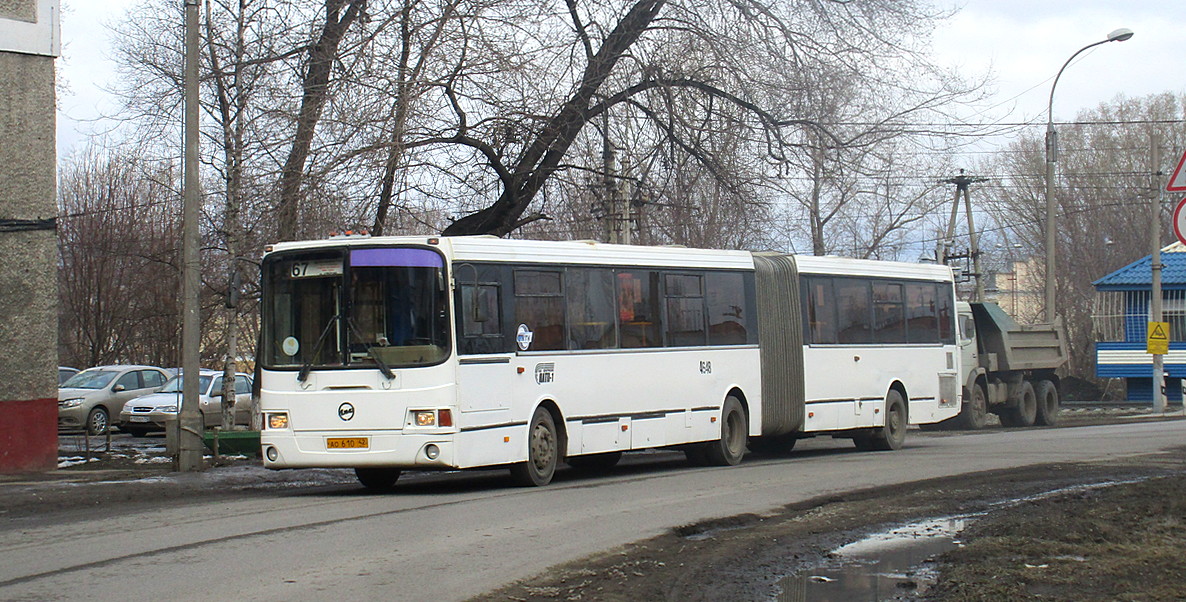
90	398
150	412
64	374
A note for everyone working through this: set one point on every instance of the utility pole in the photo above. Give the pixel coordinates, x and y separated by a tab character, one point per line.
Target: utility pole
189	457
1155	261
962	182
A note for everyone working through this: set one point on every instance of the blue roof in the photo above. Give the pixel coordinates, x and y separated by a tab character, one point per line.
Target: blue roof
1138	275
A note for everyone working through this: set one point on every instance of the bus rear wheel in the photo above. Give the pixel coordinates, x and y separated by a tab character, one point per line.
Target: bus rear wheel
730	448
893	434
377	479
543	452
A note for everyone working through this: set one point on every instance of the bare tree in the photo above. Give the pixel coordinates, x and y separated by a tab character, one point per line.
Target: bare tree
1104	173
118	254
755	54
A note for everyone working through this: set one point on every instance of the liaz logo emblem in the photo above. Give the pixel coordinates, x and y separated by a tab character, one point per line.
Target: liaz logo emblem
545	373
346	411
523	337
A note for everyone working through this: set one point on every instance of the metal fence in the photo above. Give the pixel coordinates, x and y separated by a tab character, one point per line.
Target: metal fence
1124	315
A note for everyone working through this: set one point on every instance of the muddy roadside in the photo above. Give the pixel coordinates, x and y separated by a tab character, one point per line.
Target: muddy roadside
1065	532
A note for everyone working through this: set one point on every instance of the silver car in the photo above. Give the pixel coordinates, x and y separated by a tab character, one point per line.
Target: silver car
90	398
149	413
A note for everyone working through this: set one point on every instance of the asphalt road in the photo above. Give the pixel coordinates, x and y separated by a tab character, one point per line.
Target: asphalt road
448	537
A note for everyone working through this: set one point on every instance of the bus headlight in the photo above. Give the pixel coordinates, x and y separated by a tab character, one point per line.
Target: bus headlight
272	454
277	421
426	418
432	451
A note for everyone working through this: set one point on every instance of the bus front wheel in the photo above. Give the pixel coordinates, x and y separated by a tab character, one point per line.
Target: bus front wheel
543	452
377	479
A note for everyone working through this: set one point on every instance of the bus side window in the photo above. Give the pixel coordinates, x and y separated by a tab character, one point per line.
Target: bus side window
821	311
726	295
889	313
945	309
922	323
638	308
479	310
590	296
853	310
684	324
539	304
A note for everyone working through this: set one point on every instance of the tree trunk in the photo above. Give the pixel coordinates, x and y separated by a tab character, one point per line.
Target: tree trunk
322	54
542	157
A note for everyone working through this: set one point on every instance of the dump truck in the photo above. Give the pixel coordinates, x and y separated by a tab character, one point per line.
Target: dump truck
1008	369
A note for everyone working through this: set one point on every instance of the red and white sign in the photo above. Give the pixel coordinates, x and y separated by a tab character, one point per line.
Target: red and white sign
1180	221
1177	181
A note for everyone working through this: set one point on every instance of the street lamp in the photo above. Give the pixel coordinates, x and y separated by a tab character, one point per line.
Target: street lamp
1119	35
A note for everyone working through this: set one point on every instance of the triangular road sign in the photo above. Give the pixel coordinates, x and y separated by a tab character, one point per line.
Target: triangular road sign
1177	181
1158	333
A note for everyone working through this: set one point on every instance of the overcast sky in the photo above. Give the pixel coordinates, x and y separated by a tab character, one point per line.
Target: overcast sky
1022	43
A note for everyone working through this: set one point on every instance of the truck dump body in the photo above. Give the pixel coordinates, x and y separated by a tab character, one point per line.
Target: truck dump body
1007	345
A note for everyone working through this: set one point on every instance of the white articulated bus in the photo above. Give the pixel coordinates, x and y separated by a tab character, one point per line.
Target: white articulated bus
395	353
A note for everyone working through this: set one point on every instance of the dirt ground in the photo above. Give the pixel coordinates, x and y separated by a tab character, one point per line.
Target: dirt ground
1108	531
1122	540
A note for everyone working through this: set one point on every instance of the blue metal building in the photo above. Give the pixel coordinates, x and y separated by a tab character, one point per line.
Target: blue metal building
1121	319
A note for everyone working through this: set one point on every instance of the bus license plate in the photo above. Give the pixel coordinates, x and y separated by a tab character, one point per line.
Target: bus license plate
347	443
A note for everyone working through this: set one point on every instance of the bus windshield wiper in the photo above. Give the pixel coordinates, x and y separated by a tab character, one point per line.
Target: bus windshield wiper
383	367
303	375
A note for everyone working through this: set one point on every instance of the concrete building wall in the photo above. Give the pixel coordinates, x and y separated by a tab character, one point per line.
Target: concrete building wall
28	261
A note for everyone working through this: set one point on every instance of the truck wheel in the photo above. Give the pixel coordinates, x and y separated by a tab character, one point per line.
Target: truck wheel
1026	410
1047	395
893	434
974	412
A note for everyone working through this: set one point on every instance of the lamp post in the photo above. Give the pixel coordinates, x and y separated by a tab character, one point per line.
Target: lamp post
1119	35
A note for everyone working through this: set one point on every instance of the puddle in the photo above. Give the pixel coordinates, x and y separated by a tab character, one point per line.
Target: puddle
898	564
891	565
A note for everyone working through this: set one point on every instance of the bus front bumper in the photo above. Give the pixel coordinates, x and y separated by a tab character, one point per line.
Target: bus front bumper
392	449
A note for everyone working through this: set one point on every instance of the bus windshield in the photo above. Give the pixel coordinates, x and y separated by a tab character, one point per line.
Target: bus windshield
380	307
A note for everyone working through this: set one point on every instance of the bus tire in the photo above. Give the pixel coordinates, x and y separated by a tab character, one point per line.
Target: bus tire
595	462
1047	398
974	413
730	448
893	434
543	452
377	479
1026	410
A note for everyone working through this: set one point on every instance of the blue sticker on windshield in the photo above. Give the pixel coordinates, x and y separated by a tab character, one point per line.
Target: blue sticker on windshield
396	258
